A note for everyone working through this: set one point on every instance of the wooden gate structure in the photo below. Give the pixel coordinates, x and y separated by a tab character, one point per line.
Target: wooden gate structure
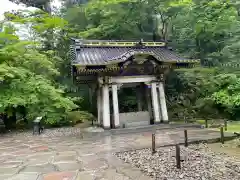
106	66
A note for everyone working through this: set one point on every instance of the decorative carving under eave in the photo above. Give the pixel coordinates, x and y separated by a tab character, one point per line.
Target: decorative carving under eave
129	67
125	64
160	77
107	80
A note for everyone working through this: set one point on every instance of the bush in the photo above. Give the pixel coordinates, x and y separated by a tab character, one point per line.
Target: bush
62	122
2	126
55	122
79	117
20	124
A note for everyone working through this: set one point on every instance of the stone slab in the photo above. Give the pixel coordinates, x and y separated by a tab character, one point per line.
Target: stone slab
8	170
11	164
69	166
5	177
46	168
41	155
95	165
66	158
87	158
112	174
40	148
21	152
66	153
60	176
37	162
24	177
86	175
132	173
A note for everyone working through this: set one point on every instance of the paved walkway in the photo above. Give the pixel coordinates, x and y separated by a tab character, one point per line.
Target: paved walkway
27	157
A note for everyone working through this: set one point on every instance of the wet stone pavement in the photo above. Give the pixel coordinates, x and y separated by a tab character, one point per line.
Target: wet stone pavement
48	157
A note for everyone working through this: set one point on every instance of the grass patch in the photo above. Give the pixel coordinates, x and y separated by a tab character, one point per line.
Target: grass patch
178	122
200	121
233	127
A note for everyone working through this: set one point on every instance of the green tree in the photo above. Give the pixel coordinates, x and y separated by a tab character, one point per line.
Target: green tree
206	30
205	26
28	75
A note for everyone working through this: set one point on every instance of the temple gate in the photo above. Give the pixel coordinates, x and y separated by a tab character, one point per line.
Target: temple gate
106	66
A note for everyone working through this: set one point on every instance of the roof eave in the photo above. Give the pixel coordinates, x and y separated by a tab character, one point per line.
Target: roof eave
113	62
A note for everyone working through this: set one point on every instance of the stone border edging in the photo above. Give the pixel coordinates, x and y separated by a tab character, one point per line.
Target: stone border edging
228	137
138	129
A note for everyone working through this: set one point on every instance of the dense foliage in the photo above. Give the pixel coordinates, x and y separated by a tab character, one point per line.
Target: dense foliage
35	73
206	30
28	83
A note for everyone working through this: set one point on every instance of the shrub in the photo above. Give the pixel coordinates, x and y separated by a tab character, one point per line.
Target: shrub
79	117
20	124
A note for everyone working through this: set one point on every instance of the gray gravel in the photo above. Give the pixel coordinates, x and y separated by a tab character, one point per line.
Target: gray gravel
54	132
199	163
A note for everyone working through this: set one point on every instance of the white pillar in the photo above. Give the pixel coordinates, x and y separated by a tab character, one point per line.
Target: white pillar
99	105
115	106
139	98
163	104
149	104
155	103
90	95
106	107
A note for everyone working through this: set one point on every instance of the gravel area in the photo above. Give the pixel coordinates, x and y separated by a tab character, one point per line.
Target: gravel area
198	163
54	132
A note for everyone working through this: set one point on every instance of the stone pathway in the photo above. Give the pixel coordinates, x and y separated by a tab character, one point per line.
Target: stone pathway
27	157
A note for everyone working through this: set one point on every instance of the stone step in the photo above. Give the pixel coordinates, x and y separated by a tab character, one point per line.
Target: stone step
137	124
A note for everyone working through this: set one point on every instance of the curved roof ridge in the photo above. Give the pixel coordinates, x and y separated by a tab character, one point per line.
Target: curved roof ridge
103	54
126	55
110	40
117	43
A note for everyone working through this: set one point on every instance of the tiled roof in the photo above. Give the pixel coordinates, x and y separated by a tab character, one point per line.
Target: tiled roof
106	53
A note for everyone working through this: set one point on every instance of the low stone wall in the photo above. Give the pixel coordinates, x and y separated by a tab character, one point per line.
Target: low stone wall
131	119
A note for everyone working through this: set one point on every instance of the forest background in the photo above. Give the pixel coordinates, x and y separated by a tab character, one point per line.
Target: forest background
35	71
